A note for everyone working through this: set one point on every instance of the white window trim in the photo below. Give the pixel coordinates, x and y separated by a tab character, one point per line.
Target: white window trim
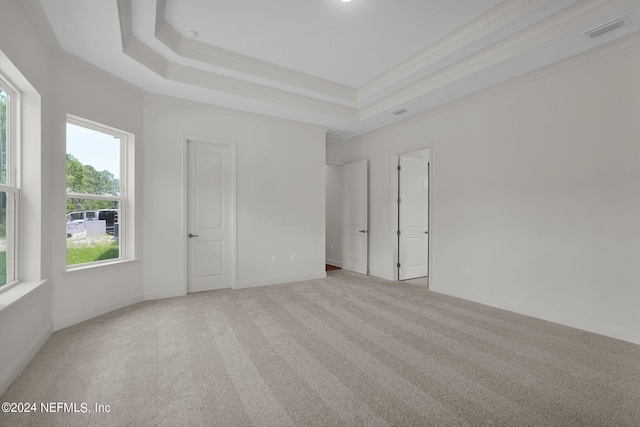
127	208
13	179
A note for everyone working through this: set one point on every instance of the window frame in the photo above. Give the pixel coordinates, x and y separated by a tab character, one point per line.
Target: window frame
12	184
125	243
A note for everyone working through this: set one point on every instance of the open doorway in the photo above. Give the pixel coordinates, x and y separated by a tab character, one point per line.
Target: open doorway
333	216
411	225
346	216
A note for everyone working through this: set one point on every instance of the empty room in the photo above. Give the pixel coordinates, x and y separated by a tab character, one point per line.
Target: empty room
327	213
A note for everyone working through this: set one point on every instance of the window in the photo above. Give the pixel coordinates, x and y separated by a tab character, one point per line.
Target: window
97	202
9	193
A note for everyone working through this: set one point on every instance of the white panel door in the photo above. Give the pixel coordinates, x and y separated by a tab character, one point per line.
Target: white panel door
413	218
355	218
209	219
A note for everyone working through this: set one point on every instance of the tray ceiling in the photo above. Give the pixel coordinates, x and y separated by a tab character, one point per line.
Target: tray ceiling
345	66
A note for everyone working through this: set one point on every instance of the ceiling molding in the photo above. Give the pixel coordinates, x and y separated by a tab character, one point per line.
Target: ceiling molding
213	55
145	55
449	60
490	21
191	105
203	52
626	42
185	74
567	19
133	47
45	33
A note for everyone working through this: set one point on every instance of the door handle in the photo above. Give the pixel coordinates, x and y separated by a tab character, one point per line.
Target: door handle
426	232
192	235
363	231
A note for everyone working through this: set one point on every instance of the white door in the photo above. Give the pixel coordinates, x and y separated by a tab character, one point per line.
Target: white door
209	216
355	218
413	218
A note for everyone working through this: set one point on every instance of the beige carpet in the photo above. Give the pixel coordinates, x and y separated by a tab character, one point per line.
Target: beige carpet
345	351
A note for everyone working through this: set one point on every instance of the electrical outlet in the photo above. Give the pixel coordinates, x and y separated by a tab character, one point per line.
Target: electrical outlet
273	259
293	258
467	270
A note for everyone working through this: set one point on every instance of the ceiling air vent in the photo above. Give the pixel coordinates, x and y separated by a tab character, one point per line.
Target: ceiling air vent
399	111
337	133
604	28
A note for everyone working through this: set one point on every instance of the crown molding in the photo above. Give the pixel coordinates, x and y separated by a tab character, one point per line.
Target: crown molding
490	21
206	79
201	106
133	47
224	58
567	19
42	28
614	46
145	55
544	30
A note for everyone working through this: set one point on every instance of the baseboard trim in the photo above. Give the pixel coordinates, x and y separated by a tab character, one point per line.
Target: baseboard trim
280	280
18	365
72	319
551	316
169	293
380	275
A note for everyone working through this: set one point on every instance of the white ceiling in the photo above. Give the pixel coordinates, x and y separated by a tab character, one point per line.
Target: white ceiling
349	43
341	65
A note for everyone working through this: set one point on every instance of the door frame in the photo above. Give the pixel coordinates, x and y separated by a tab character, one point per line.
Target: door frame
395	156
232	145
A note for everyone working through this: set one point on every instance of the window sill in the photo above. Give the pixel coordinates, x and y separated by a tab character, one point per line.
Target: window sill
17	292
85	269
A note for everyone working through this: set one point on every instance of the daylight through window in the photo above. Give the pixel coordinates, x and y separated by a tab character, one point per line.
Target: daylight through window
9	193
96	202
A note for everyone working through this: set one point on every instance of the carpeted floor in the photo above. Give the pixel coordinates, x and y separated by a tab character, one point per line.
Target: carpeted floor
348	350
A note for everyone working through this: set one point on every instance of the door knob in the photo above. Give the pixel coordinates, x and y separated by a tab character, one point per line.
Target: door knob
363	231
193	235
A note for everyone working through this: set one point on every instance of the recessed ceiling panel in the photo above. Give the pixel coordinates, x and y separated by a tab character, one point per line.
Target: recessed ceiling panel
349	43
345	66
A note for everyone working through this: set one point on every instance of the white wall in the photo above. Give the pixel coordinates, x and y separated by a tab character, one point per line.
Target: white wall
83	91
337	150
280	194
66	85
54	84
280	197
333	215
25	310
535	187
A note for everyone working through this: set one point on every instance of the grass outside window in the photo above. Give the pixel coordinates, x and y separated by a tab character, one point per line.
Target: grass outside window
81	249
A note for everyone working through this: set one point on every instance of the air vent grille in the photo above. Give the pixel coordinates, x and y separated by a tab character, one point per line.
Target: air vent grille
605	28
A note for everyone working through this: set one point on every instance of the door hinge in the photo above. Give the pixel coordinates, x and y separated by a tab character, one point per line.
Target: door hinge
399	167
398	265
398	232
398	199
